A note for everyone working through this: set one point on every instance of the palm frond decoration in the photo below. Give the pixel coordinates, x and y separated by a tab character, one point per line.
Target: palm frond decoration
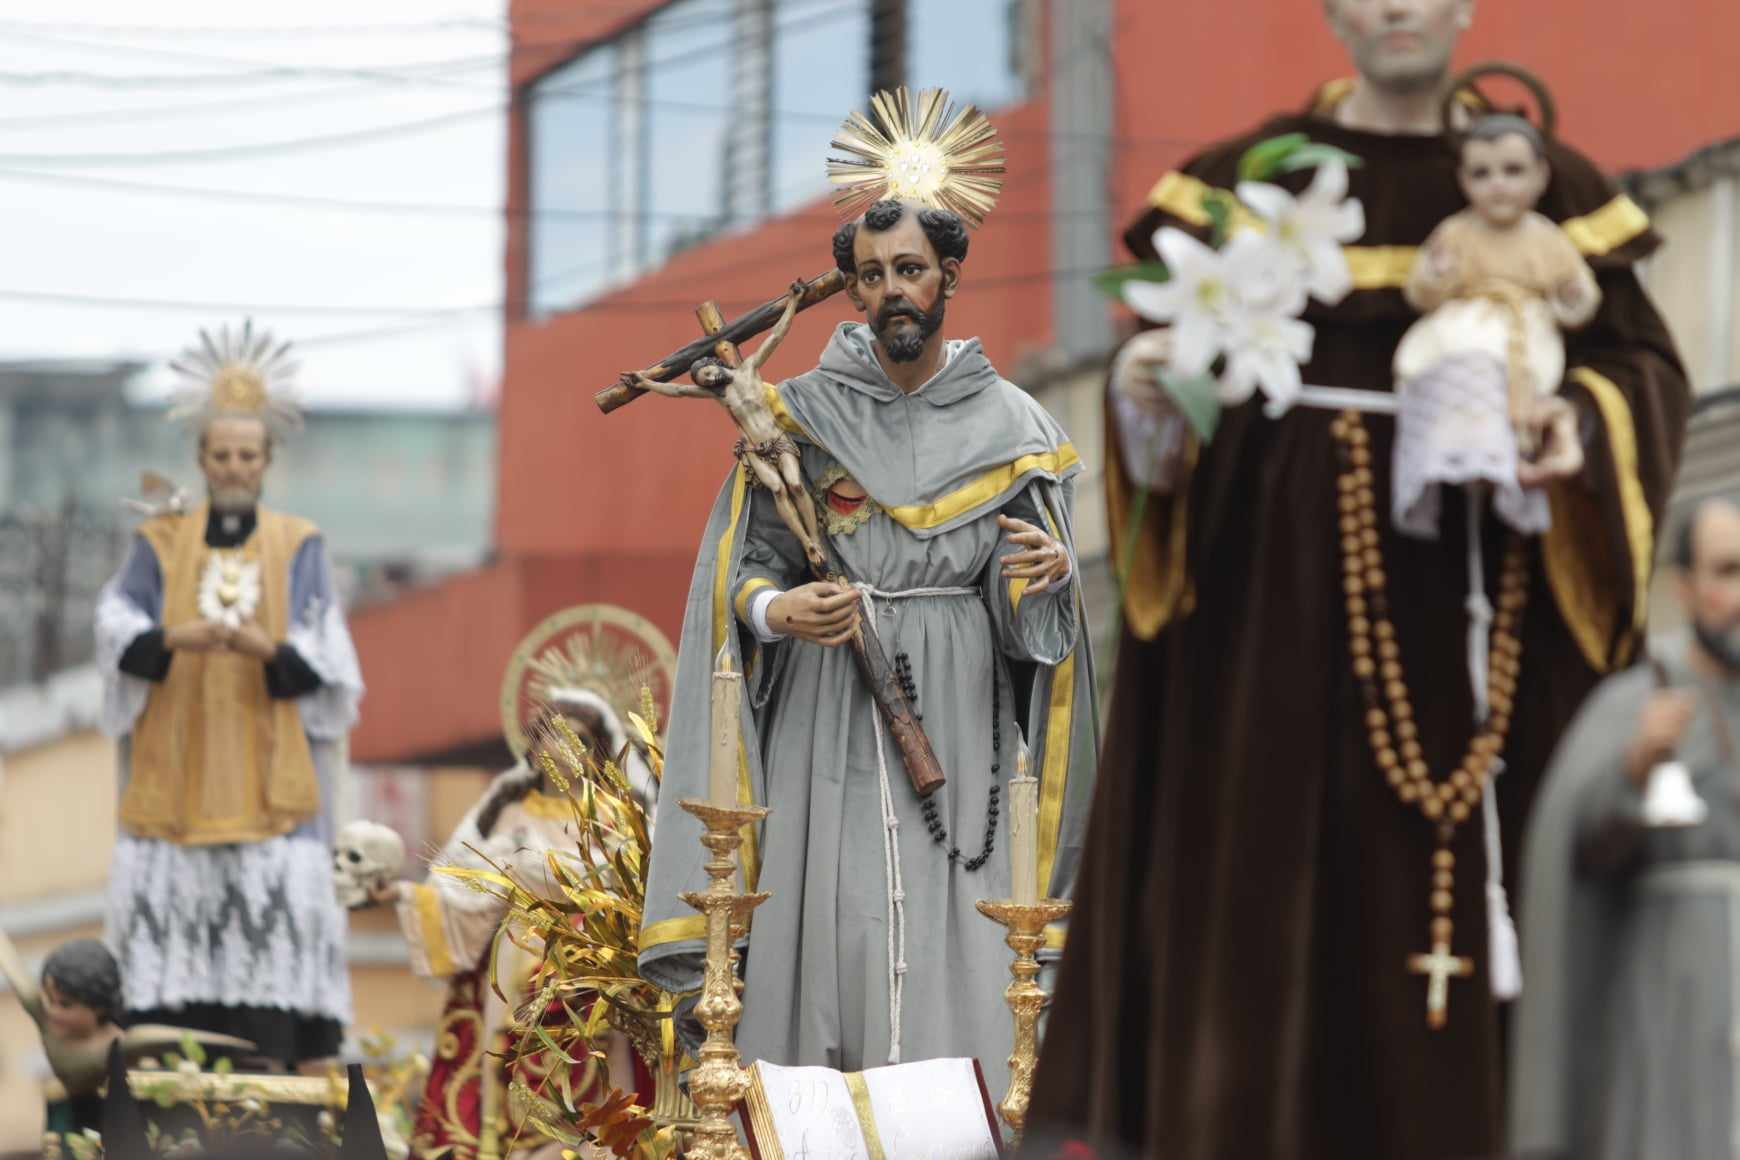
586	934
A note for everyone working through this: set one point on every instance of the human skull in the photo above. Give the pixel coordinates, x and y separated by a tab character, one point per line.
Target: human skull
365	856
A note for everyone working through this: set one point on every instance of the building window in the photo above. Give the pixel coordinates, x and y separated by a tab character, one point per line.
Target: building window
969	47
821	70
714	113
688	51
573	246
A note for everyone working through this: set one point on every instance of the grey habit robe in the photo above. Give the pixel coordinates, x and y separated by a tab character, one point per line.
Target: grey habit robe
1628	1030
939	465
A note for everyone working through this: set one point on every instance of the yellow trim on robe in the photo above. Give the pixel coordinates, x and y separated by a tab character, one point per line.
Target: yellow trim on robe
1055	776
1055	937
1017	589
670	930
866	1113
1572	547
984	489
781	415
749	589
432	929
1379	267
1595	234
1156	588
1056	772
1606	229
1182	195
721	625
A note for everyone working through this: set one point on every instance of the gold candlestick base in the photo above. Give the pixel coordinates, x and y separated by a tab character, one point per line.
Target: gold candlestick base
1026	923
719	1082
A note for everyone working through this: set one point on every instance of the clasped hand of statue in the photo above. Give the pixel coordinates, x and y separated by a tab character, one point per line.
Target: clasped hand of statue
213	636
1042	561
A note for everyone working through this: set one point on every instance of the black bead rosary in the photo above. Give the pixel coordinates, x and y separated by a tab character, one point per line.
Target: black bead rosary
932	821
903	674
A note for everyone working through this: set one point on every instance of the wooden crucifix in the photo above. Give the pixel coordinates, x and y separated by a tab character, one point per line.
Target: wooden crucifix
772	459
1439	967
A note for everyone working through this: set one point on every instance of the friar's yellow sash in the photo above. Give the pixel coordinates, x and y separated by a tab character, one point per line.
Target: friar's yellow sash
214	758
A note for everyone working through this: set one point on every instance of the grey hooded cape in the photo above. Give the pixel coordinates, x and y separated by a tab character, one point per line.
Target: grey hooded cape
939	465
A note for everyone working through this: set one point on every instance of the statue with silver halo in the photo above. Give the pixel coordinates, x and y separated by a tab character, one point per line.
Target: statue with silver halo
230	679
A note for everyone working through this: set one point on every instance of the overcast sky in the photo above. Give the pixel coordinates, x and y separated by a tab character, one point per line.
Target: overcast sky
99	98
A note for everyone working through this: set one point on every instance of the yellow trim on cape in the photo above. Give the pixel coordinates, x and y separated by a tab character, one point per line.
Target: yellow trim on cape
1056	936
1054	778
722	625
984	489
781	414
432	930
683	928
866	1113
1583	580
1595	234
750	588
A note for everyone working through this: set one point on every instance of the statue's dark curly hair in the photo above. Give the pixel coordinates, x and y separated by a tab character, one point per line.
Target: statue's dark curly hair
945	229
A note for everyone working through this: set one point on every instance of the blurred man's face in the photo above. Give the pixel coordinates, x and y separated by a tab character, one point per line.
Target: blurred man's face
234	454
1710	588
1400	44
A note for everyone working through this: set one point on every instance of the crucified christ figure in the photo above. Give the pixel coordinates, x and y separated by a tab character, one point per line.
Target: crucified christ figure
770	454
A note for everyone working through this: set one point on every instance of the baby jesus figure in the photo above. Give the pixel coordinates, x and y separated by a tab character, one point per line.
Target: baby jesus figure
1478	375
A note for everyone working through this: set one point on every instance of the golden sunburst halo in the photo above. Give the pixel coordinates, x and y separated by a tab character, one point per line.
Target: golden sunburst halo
922	149
609	651
241	371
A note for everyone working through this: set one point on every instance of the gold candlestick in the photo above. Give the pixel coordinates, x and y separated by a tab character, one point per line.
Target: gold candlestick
1026	923
719	1082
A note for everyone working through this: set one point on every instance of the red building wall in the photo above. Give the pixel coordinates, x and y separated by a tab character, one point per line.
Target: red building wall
610	508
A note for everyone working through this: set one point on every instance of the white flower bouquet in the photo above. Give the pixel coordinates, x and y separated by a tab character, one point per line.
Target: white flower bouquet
1234	305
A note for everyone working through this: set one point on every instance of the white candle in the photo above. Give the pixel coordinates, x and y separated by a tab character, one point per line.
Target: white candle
722	773
1024	834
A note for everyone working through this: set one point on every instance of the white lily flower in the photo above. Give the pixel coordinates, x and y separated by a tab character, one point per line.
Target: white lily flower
1313	226
1266	352
1197	301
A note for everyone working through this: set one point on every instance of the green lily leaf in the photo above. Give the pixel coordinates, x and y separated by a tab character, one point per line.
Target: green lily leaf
1111	282
1311	156
1198	399
1219	208
1264	159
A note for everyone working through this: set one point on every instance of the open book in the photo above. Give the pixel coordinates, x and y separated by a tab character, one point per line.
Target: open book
937	1109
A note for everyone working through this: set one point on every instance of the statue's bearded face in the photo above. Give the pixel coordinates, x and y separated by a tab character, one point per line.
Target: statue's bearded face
902	286
1400	44
234	453
1710	587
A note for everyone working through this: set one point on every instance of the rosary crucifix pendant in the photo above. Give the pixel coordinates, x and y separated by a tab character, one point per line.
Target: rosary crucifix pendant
1439	967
